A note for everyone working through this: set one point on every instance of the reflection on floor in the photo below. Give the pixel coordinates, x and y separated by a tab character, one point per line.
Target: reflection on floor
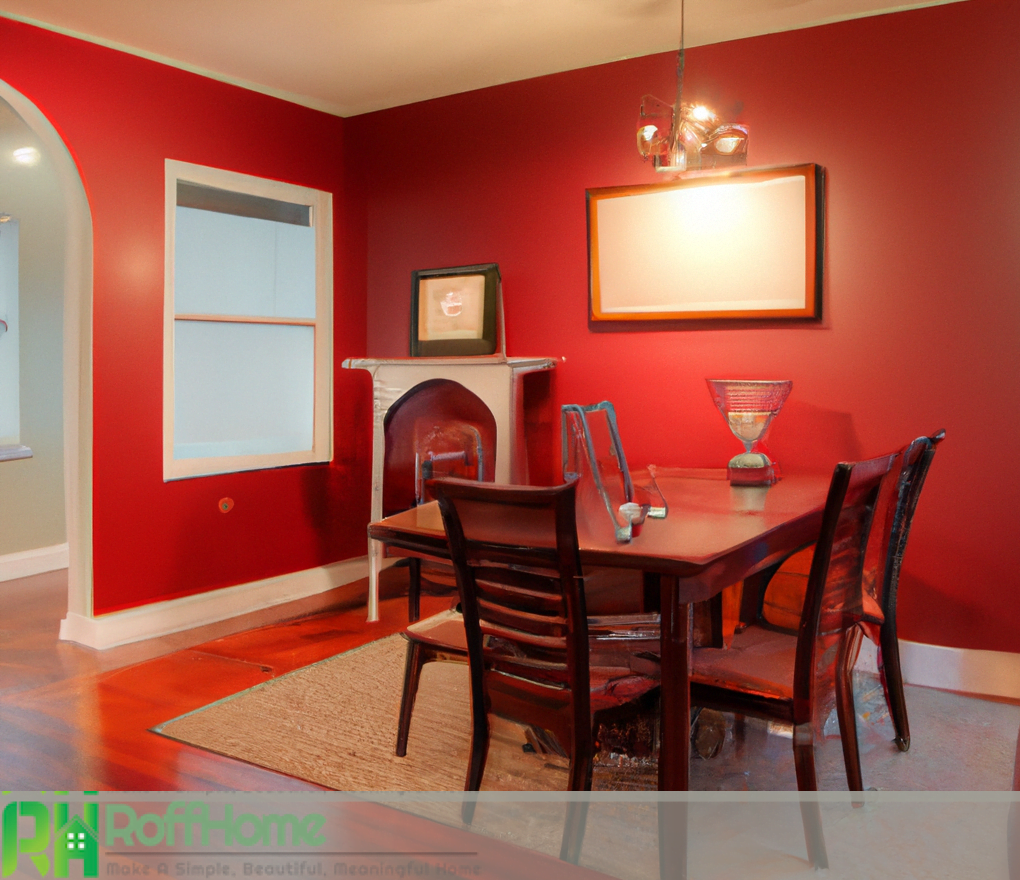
958	743
75	719
937	811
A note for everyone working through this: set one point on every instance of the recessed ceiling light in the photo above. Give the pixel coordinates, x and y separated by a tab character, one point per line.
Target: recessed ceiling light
26	155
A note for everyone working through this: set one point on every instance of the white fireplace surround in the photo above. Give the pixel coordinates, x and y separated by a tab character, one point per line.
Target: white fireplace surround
496	381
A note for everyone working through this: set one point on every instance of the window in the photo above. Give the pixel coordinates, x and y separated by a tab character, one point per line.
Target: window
248	323
10	413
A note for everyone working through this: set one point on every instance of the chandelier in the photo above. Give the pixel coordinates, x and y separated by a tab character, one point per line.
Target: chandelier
683	137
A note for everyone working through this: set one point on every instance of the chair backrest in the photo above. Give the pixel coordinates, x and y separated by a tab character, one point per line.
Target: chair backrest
833	602
515	552
917	459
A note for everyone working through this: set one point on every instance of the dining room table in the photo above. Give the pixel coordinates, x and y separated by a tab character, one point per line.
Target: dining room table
714	535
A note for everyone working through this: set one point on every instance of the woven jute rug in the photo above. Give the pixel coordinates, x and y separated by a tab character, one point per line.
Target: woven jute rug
335	722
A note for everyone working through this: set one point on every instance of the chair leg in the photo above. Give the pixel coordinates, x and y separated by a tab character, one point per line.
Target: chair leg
846	712
413	662
739	733
413	589
577	811
476	760
573	830
1013	840
810	811
892	682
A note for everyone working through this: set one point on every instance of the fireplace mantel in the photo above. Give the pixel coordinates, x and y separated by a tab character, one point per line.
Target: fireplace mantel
495	380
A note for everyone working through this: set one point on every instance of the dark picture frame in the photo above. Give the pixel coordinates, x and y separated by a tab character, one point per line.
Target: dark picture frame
740	245
453	311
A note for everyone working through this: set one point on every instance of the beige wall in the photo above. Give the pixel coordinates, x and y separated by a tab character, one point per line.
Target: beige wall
32	491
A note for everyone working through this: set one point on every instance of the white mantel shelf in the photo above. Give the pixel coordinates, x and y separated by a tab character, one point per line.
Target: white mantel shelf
523	364
495	380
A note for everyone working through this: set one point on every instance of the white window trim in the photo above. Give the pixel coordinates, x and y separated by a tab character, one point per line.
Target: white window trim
321	204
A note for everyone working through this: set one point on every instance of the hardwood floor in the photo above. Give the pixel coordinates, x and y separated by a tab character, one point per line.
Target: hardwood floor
75	719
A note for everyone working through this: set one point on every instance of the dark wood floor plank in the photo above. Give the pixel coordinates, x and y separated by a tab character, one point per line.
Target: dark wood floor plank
72	718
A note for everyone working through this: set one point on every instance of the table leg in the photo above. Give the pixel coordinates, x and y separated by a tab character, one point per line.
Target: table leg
672	840
675	648
376	557
674	747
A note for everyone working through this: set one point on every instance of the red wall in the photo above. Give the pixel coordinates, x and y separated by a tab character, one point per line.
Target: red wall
915	117
121	116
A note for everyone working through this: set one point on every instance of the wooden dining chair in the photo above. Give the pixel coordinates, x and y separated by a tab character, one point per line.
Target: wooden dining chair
515	552
795	678
616	625
593	455
916	461
780	591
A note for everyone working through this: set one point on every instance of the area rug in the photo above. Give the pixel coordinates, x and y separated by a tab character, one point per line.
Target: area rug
334	723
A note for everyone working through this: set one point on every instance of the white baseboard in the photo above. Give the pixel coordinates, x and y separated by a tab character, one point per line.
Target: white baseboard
971	671
175	615
986	673
31	562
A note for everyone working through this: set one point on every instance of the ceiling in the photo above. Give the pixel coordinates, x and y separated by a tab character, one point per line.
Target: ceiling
353	56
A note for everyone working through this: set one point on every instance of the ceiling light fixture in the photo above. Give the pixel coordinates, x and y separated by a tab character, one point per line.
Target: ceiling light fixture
687	137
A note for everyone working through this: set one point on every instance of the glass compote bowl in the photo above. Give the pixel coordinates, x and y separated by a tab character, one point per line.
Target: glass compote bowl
749	406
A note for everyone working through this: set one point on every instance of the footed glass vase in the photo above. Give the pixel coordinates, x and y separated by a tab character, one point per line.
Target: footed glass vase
749	406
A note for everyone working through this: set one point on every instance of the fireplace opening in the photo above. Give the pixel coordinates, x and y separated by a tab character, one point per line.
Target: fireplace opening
438	428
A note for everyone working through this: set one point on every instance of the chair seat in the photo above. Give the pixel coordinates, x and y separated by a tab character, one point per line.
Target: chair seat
610	688
613	641
611	676
444	630
759	661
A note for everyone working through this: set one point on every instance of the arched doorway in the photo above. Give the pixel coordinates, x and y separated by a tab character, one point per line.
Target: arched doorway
77	351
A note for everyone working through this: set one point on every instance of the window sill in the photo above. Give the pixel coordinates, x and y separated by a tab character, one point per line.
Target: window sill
13	453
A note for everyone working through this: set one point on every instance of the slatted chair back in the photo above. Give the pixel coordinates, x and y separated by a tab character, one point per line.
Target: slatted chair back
917	458
834	603
516	556
881	579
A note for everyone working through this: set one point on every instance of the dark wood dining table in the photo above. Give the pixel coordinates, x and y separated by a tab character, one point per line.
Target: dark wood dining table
714	535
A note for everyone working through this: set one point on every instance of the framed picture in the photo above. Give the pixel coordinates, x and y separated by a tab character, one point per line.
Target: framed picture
453	311
741	245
